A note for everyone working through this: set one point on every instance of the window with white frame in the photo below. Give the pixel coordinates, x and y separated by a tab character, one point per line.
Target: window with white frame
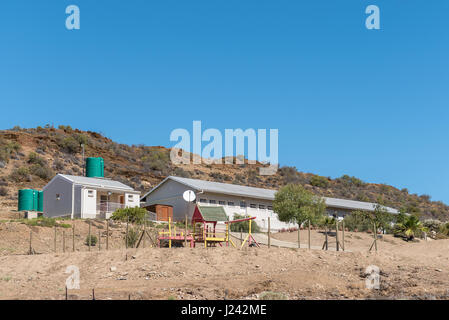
262	206
230	203
203	200
221	203
130	198
212	202
242	204
90	193
253	206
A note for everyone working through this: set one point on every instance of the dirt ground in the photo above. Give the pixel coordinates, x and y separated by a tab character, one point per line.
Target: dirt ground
408	270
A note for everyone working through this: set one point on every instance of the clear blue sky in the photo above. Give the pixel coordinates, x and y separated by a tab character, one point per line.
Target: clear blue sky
346	100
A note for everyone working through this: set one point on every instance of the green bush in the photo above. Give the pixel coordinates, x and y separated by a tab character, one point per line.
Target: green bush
93	240
243	226
67	129
156	160
41	222
319	181
356	221
20	175
444	229
269	295
347	180
133	237
39	166
326	222
68	144
43	172
133	215
34	158
180	172
7	148
82	139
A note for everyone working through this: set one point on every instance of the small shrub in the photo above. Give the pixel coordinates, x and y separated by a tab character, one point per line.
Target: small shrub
356	221
133	215
156	160
7	148
34	158
269	295
39	166
93	240
347	180
41	222
180	172
291	175
66	129
41	170
82	139
58	165
319	181
20	175
133	237
243	226
68	144
3	191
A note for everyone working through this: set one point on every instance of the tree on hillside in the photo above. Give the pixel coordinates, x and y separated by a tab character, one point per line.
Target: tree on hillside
380	217
294	204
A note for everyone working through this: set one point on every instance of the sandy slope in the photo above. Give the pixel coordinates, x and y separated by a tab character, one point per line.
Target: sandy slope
418	270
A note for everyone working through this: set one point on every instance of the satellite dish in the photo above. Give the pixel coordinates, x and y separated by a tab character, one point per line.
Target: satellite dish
189	196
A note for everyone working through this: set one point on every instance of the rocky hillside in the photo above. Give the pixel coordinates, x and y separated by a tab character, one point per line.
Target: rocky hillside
29	158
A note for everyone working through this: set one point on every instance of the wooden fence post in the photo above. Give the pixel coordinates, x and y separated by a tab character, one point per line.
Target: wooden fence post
31	242
375	236
343	234
299	235
269	232
185	235
107	234
144	232
99	240
309	235
73	238
336	235
89	240
63	240
126	238
54	242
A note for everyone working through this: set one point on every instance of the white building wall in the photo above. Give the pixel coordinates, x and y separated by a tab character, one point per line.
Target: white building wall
170	193
88	203
132	200
232	206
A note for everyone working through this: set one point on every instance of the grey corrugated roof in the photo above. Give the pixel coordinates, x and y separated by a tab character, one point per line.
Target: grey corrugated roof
354	205
227	188
260	193
98	182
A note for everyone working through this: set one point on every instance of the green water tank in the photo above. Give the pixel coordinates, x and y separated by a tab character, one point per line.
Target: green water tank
95	167
40	201
26	200
35	199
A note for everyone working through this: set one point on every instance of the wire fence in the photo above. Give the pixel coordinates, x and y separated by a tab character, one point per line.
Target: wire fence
85	235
